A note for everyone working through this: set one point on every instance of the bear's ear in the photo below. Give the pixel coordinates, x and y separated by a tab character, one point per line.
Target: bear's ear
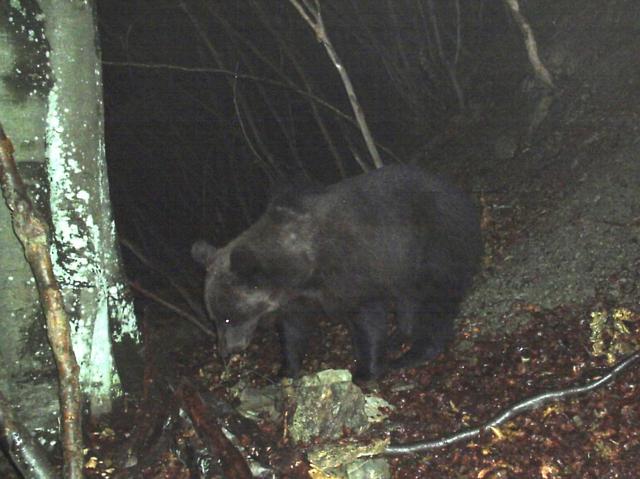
202	252
244	263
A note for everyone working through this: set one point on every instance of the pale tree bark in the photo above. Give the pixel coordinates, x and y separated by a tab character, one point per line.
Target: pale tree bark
51	107
88	264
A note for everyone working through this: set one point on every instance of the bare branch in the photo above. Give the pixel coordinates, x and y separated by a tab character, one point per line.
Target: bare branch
243	76
539	69
172	307
194	305
449	66
33	233
317	25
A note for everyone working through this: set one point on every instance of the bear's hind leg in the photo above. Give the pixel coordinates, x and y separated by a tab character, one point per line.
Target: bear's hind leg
432	329
369	331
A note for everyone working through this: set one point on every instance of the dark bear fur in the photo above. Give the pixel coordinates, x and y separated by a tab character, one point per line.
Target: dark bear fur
396	239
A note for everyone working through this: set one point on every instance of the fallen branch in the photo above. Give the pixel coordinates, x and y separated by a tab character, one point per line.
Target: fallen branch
525	405
33	233
25	452
234	465
150	437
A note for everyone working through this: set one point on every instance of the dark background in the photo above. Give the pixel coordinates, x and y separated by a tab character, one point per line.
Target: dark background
194	146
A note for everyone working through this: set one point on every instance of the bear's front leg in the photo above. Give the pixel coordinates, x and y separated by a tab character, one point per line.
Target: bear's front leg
294	343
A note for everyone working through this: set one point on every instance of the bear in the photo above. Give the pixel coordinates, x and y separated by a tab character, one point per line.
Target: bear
396	240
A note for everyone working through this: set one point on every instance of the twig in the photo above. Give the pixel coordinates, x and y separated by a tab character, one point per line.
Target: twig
258	7
33	233
267	97
313	17
243	76
449	66
245	134
522	406
189	317
265	160
195	307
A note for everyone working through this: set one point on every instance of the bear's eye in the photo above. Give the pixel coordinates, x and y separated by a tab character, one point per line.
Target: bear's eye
227	321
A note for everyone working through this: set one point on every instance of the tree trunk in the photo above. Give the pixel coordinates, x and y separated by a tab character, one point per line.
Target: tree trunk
88	265
51	107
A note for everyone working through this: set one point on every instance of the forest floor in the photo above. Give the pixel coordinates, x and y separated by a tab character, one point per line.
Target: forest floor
558	175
